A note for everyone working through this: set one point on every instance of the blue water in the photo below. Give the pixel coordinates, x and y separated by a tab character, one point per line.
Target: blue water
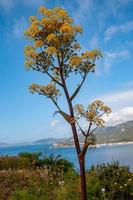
122	153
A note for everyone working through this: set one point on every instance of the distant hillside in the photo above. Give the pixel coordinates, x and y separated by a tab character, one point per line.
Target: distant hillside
3	144
119	133
49	141
113	134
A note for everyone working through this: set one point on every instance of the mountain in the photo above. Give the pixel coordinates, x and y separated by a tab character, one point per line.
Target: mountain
111	134
49	141
3	144
119	133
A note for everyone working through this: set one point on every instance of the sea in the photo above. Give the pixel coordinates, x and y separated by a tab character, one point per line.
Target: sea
122	153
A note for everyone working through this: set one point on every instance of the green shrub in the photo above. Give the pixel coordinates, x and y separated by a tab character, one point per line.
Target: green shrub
25	195
36	177
94	188
115	179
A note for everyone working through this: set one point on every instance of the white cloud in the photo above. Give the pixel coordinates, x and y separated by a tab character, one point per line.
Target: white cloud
54	123
19	27
118	28
59	128
112	57
118	100
123	115
82	10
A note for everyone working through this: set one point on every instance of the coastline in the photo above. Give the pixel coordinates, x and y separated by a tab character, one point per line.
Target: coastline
97	145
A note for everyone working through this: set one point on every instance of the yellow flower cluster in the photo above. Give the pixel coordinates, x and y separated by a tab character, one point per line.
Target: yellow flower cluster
93	113
48	12
45	11
32	31
68	28
33	19
52	38
38	43
43	22
90	115
89	54
65	28
75	61
51	51
99	122
30	52
58	13
28	63
99	105
62	13
79	109
48	90
106	109
78	29
42	9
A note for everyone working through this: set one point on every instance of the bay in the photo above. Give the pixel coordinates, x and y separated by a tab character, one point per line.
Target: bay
123	153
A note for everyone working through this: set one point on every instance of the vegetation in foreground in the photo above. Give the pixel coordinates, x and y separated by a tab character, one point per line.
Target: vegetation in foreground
32	176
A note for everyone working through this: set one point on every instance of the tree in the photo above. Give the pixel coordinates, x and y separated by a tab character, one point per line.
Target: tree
56	52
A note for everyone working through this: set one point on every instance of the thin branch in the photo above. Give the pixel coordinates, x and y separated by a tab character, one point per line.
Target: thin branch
87	143
78	88
54	79
55	103
80	129
88	131
93	130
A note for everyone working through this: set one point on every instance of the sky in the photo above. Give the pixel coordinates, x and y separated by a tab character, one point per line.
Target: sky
107	25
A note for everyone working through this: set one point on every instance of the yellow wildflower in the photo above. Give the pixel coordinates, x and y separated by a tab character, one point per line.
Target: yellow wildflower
28	63
48	90
28	48
51	50
66	28
78	29
32	19
51	38
38	43
33	88
88	54
99	122
42	9
62	13
44	21
75	60
48	12
32	31
90	115
30	52
79	109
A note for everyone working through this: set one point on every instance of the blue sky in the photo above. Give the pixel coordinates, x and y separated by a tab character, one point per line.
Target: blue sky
107	25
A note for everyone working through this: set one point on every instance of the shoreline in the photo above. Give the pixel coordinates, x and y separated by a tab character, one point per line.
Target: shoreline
97	145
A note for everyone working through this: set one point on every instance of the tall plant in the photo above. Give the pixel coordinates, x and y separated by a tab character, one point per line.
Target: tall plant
56	53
